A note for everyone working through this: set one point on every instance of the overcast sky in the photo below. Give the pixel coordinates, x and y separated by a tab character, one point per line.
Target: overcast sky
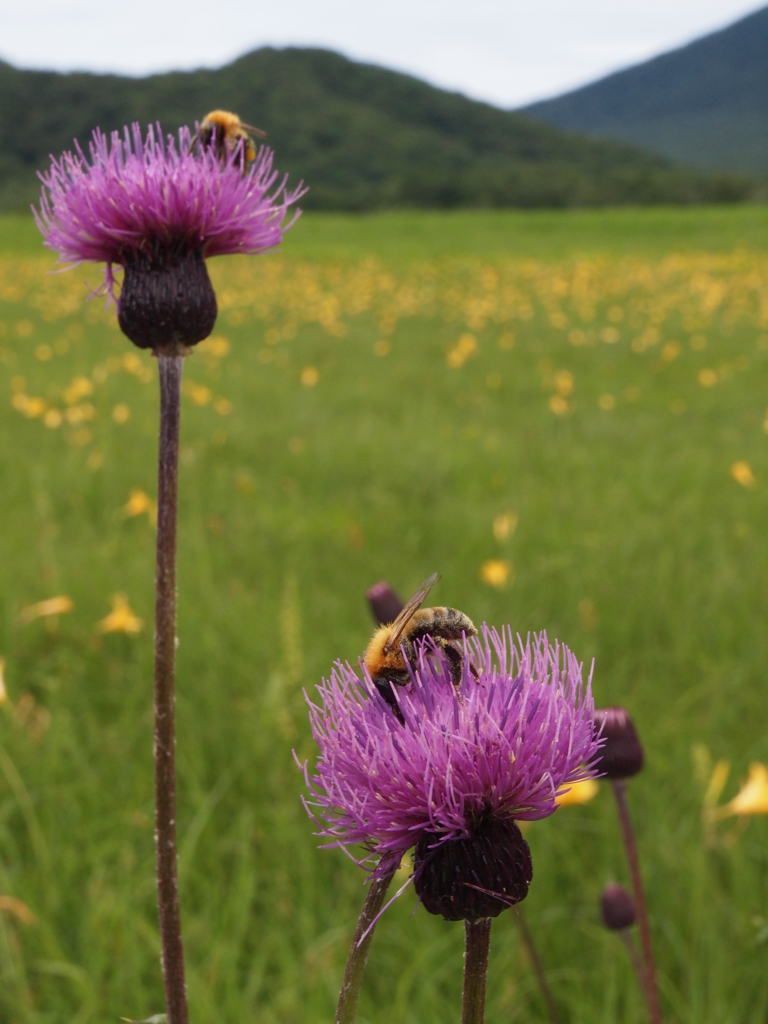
506	51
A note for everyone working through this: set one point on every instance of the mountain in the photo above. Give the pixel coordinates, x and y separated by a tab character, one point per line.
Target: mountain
704	105
360	136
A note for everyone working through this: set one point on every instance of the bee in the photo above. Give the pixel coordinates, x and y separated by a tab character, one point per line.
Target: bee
222	131
391	649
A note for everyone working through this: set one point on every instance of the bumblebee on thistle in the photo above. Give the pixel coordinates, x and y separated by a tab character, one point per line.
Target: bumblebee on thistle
461	764
391	656
223	131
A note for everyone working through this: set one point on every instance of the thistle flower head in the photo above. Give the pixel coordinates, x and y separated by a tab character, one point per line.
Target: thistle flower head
157	208
453	771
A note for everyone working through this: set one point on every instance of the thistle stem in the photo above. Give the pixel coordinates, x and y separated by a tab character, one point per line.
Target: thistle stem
478	943
170	367
630	845
634	958
358	954
538	969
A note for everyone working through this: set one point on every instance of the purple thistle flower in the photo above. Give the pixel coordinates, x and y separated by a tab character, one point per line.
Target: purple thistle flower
158	210
463	765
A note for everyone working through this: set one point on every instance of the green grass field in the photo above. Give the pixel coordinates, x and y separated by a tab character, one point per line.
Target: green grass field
375	398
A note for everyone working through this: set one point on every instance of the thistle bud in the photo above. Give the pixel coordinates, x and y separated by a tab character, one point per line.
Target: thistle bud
167	302
475	877
384	602
617	907
621	755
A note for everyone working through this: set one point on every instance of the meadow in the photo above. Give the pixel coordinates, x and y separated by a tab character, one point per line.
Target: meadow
563	413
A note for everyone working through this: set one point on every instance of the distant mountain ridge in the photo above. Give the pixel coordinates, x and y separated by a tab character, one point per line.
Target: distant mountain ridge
361	137
704	105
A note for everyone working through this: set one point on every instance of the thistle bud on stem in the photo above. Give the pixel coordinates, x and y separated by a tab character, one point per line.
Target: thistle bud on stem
620	758
618	910
384	602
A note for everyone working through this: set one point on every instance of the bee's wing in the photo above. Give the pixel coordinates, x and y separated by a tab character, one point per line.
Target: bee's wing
256	131
409	611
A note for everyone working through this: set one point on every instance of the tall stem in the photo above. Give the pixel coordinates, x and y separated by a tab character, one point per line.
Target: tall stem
630	845
358	954
538	969
170	368
637	964
478	942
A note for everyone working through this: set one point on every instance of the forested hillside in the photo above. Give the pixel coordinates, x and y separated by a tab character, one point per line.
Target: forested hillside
362	137
705	105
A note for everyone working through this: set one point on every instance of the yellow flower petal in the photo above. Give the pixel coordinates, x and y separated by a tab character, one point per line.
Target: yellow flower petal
564	383
558	405
199	393
577	793
121	619
52	606
465	347
505	525
496	572
80	387
742	474
753	795
139	503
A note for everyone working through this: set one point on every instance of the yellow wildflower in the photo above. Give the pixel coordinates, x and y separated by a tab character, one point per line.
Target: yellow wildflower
121	619
577	793
558	405
139	503
465	347
504	525
742	474
199	393
80	387
218	346
52	606
564	383
496	572
752	798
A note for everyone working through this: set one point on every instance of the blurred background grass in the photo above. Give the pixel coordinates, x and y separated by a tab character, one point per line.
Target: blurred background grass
562	395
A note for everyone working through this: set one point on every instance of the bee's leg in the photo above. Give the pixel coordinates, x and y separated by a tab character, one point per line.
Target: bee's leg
408	652
455	659
385	688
